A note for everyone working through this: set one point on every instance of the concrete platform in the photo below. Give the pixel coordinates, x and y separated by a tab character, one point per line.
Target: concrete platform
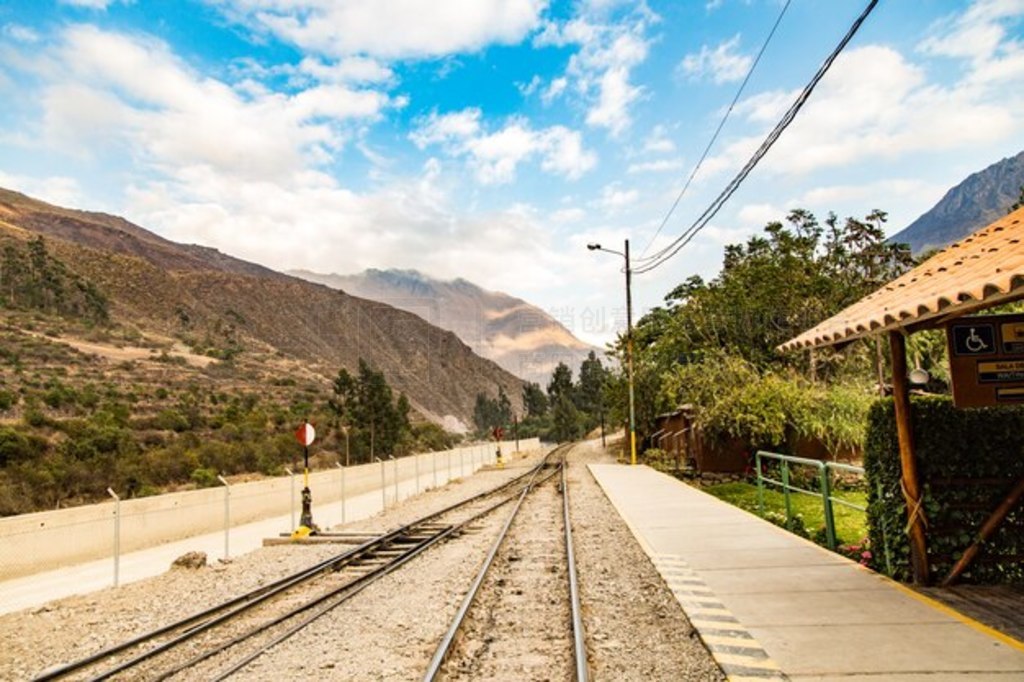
771	605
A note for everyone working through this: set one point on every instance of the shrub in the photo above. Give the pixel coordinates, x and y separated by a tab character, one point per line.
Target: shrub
7	400
171	419
15	447
733	399
204	478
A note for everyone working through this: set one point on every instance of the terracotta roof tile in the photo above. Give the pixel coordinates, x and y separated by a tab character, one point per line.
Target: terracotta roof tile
977	272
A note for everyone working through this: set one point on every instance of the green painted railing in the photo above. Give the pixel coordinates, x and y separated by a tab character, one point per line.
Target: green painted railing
824	491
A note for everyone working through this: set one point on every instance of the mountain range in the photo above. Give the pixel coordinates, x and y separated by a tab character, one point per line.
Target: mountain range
518	336
199	295
974	203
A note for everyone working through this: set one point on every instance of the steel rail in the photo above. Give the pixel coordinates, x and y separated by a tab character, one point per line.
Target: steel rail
340	595
444	647
578	633
206	618
350	590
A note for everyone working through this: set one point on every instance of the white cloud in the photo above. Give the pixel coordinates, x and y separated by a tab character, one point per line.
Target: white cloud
390	29
22	34
554	90
564	216
601	71
527	89
347	70
658	166
89	4
453	127
754	216
320	226
721	64
109	87
496	156
658	142
980	36
874	104
819	198
614	198
58	190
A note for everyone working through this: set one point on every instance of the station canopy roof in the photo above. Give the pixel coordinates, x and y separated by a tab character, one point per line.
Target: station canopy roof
977	272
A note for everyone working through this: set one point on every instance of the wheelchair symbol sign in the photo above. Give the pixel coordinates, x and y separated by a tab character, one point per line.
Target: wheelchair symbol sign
974	339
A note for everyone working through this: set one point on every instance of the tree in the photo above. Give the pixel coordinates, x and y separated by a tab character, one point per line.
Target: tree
566	424
504	408
795	274
485	414
534	400
343	398
589	393
491	413
367	406
560	385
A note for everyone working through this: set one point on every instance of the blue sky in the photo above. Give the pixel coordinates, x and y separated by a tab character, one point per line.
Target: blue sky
493	139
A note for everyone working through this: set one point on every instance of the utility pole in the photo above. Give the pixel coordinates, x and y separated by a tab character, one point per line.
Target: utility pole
629	358
629	346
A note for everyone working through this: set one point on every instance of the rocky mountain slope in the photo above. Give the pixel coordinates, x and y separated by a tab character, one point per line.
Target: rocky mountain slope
518	336
219	305
977	201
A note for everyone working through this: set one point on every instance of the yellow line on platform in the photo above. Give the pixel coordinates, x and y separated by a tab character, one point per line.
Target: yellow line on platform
1006	639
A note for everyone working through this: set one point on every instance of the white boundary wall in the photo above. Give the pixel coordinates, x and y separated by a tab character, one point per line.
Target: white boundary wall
30	543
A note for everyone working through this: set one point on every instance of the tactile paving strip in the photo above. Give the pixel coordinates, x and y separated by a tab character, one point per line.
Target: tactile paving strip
740	656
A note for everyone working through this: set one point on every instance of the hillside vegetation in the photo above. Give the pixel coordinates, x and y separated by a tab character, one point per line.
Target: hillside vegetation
131	362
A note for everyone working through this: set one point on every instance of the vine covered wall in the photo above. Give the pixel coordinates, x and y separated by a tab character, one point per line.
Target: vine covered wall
968	461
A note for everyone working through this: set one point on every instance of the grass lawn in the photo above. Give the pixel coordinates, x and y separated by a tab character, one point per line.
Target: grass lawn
851	525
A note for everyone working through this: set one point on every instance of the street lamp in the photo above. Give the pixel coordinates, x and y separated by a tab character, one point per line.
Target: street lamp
629	346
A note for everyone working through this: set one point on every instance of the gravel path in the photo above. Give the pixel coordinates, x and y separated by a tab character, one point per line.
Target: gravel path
635	629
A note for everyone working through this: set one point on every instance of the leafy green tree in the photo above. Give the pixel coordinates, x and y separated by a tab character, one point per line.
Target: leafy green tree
485	413
777	284
589	392
534	400
504	408
342	400
374	410
566	422
560	385
490	413
366	405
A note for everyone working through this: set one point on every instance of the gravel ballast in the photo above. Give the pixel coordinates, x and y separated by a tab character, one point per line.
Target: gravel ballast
635	628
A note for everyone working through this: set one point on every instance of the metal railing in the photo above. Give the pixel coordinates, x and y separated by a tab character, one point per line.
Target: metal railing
824	492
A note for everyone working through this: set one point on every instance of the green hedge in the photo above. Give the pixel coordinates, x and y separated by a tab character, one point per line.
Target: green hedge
954	449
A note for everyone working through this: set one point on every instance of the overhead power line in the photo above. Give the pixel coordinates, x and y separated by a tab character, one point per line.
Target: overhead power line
656	260
718	130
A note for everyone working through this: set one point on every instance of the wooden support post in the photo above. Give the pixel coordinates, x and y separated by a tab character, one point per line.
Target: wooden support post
987	529
908	463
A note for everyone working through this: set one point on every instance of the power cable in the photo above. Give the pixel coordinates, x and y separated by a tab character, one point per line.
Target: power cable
718	130
683	239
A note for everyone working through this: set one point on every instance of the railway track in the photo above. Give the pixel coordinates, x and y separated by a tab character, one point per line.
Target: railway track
510	624
219	641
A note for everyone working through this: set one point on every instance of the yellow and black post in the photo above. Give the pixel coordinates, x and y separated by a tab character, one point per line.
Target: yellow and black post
305	435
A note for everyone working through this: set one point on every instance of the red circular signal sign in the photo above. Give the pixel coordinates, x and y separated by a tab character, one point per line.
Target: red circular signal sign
305	434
